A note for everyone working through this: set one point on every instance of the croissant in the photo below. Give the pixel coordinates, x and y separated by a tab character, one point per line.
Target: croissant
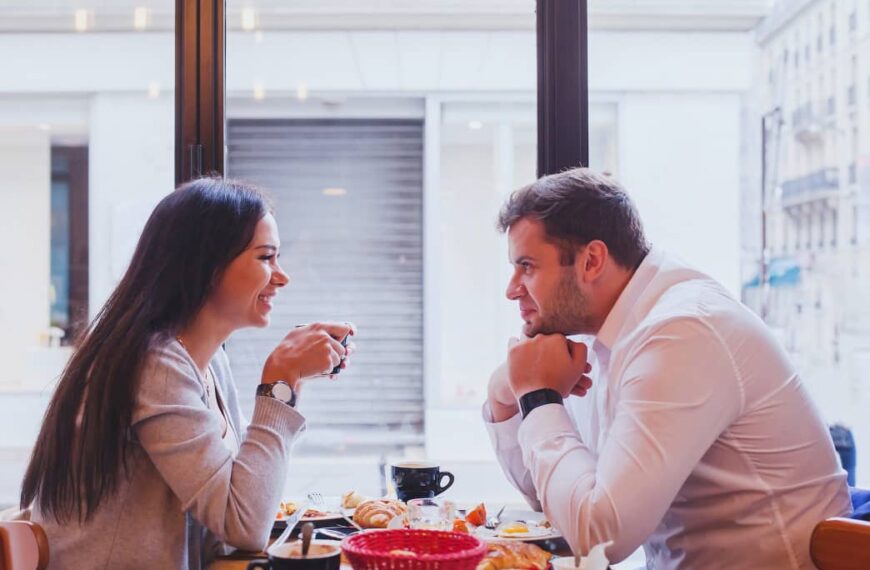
377	513
352	500
502	555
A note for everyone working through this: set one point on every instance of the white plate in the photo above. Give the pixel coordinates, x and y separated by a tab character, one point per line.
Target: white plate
535	533
325	517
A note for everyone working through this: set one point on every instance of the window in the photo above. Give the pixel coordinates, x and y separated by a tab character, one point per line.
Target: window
387	152
86	141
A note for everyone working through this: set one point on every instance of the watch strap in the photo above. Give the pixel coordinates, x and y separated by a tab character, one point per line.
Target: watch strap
537	398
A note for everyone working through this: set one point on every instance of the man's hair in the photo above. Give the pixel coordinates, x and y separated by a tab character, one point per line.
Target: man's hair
576	207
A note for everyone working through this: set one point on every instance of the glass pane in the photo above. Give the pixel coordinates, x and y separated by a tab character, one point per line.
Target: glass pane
86	151
388	134
817	206
687	85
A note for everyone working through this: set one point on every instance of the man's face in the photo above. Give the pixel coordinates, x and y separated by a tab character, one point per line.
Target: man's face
549	295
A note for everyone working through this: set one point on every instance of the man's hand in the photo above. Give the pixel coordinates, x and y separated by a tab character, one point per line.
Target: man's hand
502	402
548	361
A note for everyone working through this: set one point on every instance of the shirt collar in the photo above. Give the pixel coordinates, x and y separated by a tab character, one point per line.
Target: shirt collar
627	301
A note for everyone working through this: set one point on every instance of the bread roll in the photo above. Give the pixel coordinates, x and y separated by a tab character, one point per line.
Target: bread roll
352	500
502	555
377	513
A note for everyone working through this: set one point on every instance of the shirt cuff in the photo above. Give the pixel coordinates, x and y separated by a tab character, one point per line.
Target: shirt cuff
503	435
541	426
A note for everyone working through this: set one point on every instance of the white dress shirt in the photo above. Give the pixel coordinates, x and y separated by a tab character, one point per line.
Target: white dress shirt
696	440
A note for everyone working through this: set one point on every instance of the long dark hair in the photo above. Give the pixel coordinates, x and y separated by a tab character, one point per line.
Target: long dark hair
187	243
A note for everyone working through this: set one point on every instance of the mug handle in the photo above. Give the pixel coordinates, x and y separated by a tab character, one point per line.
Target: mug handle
253	565
441	486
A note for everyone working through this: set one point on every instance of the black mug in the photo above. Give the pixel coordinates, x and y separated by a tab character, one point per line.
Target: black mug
416	480
322	555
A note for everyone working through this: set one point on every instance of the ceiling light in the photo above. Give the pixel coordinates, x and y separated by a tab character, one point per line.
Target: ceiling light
81	20
153	90
140	18
334	192
475	125
302	92
249	19
259	92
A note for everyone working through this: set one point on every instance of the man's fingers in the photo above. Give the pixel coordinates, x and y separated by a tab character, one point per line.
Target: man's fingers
582	386
578	353
578	391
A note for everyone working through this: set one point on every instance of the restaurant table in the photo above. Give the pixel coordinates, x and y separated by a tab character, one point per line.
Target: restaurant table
239	560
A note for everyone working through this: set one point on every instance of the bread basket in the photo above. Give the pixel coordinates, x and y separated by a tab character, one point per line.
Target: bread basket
418	550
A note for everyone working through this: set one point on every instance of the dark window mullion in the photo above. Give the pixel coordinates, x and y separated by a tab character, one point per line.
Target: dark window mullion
199	88
563	85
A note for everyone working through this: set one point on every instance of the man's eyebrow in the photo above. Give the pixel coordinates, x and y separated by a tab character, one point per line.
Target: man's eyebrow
520	259
267	246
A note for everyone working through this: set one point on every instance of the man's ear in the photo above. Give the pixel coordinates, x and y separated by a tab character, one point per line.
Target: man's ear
591	260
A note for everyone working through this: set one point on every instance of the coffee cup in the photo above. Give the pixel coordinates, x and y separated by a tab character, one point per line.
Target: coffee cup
419	480
322	555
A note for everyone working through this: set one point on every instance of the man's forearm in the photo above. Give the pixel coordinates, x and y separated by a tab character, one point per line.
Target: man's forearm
502	411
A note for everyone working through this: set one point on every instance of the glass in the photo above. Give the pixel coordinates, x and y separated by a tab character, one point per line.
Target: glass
388	151
431	514
86	150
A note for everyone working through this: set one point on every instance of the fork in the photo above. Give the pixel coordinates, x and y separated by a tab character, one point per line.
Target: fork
316	499
492	522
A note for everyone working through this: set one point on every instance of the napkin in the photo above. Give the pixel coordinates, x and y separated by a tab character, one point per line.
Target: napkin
596	559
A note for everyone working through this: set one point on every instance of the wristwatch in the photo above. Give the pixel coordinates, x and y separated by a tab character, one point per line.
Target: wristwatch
279	390
536	398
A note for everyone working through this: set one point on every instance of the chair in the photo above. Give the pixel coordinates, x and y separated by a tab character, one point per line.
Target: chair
23	546
841	544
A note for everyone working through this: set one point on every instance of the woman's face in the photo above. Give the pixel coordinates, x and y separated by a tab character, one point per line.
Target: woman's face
244	296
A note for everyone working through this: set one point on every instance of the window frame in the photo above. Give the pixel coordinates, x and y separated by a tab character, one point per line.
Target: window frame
200	87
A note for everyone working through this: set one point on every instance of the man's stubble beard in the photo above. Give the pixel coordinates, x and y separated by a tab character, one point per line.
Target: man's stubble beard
567	312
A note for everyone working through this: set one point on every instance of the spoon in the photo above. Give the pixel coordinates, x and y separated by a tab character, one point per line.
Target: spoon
307	530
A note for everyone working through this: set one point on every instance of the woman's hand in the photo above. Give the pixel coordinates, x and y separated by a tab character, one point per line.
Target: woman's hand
308	350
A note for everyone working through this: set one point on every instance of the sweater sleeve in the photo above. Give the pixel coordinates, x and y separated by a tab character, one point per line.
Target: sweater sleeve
234	497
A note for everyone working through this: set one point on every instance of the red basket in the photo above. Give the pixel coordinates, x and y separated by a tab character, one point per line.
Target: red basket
434	549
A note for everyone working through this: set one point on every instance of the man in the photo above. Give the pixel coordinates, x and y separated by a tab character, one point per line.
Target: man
689	432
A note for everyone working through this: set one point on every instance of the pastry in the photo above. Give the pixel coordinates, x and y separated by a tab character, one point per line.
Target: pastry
377	513
352	499
501	555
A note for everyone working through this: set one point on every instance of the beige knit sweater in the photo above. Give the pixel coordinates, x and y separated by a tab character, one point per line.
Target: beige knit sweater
186	496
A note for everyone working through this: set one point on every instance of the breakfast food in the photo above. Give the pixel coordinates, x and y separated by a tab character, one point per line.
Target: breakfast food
406	553
288	508
314	514
460	525
502	555
514	529
477	515
377	513
352	500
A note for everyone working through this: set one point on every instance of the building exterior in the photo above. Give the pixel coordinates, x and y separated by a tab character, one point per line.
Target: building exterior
814	87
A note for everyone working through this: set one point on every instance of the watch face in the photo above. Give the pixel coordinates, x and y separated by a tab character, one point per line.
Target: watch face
282	391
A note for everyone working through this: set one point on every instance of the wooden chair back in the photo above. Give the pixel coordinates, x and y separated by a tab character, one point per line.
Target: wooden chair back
23	546
841	544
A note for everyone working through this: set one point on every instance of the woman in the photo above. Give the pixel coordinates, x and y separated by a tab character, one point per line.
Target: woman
141	461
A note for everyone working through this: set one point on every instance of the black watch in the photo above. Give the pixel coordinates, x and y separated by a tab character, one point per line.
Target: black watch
279	390
536	398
